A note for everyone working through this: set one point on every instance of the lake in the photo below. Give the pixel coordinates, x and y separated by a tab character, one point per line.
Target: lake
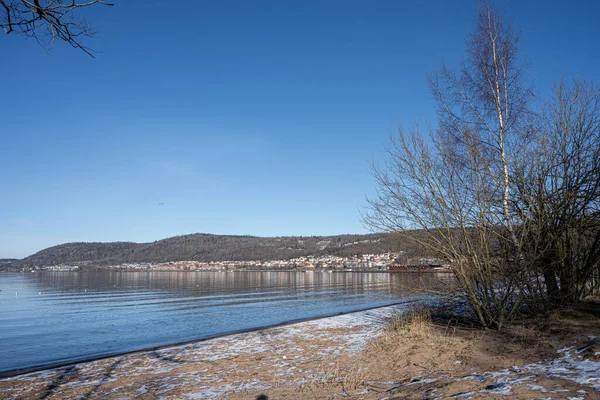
48	318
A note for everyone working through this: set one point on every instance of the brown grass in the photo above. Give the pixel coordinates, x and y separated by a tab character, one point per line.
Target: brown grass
413	325
348	378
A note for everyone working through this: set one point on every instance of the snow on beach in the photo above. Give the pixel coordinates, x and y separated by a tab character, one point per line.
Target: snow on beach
212	368
536	378
291	358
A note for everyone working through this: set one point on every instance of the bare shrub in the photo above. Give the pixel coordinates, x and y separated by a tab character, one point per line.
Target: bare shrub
509	197
454	181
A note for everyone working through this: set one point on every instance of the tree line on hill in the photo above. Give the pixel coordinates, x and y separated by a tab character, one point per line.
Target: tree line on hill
207	247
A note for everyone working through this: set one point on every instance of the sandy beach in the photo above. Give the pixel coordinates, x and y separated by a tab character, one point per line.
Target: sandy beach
353	356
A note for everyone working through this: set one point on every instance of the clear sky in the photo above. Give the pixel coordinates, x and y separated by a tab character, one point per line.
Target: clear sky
241	117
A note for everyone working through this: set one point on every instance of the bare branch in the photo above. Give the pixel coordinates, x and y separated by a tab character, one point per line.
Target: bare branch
48	21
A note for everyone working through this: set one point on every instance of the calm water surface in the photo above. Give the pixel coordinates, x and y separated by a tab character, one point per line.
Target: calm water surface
54	317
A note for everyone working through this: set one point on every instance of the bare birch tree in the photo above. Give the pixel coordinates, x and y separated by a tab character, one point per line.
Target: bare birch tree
456	181
509	197
48	20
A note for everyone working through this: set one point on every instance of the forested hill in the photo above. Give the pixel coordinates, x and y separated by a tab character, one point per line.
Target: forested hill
206	247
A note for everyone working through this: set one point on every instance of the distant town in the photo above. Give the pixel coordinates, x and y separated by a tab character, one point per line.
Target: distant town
365	262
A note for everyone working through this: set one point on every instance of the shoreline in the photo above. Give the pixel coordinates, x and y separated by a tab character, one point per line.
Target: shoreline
424	271
45	367
361	355
309	343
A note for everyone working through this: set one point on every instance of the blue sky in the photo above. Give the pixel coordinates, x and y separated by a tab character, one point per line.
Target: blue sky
242	117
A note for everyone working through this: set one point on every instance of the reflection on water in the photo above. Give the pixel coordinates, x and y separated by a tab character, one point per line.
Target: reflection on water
53	317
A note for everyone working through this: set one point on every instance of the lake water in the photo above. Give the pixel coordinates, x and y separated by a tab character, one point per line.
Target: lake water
48	318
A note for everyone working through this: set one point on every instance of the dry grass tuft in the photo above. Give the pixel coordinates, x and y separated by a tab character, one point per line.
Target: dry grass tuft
414	324
338	376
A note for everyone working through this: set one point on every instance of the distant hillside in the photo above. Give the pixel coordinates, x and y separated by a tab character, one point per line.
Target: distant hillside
206	247
7	260
70	253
